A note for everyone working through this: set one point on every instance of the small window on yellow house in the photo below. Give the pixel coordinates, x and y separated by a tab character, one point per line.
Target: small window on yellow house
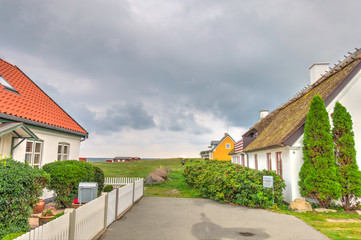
228	146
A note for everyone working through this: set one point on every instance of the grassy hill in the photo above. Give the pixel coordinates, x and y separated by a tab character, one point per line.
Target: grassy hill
175	185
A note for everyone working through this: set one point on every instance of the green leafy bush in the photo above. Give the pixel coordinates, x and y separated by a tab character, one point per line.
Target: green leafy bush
12	236
57	216
108	188
65	179
224	181
20	185
99	178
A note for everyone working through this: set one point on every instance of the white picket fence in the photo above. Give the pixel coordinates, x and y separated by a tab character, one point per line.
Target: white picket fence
90	220
116	182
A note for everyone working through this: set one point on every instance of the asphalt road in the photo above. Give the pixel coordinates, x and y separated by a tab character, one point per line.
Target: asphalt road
187	218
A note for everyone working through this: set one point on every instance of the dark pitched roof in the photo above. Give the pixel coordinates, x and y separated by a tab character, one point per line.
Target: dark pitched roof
238	148
29	104
284	125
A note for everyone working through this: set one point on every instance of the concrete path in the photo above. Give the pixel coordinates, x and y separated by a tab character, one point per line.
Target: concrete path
187	218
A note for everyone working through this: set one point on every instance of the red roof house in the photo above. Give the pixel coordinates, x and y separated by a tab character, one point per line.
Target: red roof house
33	127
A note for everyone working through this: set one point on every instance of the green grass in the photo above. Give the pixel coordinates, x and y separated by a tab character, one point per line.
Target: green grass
333	230
144	167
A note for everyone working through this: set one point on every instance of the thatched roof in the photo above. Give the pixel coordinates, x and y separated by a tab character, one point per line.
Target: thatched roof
284	125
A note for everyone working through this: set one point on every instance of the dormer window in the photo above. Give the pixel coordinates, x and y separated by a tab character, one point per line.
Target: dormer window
7	85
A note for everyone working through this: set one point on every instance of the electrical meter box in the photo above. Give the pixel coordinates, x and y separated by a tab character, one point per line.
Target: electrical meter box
87	191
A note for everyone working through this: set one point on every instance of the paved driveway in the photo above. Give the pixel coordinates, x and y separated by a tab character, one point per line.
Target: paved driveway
187	218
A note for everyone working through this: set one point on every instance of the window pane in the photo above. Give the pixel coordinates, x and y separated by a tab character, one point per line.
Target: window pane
29	147
36	158
59	157
65	150
37	147
60	148
65	157
27	157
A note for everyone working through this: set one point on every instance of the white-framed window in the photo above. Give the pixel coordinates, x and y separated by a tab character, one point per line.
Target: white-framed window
228	146
269	161
279	163
256	162
63	151
33	153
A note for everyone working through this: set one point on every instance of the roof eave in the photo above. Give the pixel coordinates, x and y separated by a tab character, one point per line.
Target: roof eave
44	125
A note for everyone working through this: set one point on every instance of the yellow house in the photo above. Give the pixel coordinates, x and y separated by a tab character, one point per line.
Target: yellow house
221	148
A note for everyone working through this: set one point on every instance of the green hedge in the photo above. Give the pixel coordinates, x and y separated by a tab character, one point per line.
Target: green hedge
20	185
65	179
224	181
99	178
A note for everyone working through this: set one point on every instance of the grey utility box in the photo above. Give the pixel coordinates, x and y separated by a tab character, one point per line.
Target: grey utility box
87	191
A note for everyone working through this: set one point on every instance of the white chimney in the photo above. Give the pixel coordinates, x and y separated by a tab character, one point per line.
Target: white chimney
316	70
263	114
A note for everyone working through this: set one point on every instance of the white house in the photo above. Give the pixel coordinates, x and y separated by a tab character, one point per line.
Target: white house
275	142
33	128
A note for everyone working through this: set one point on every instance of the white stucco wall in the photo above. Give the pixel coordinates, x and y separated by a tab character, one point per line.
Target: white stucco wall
50	139
288	167
350	97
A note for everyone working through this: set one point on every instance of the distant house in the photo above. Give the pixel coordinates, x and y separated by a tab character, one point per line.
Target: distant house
33	128
275	142
125	159
219	150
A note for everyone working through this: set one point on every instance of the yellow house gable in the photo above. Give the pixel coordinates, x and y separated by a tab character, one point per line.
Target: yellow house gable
220	152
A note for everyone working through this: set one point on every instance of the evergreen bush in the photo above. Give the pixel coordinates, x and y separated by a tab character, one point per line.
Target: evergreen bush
224	181
65	179
345	153
20	185
318	176
99	178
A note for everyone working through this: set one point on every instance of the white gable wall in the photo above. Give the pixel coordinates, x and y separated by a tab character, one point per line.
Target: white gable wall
350	97
50	140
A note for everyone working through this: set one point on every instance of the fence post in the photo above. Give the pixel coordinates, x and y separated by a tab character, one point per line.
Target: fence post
133	193
72	225
142	187
106	211
116	203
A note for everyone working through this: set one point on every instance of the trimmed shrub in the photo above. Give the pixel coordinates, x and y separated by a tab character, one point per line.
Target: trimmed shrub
227	182
318	175
345	152
108	188
20	185
65	179
99	178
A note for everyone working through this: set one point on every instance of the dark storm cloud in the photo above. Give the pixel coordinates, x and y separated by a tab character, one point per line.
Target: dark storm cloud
227	58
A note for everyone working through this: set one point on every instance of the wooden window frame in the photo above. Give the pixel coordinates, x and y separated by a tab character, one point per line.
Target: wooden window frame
32	153
61	156
256	162
269	161
243	160
279	163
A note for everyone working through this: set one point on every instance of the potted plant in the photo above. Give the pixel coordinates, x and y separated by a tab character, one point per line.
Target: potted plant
39	207
46	215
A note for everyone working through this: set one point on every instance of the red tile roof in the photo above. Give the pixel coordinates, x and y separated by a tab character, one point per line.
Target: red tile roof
32	103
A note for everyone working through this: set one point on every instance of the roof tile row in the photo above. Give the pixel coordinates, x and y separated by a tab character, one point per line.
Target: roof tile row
31	102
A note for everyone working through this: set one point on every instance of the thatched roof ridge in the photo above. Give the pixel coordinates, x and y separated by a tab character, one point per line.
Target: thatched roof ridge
280	124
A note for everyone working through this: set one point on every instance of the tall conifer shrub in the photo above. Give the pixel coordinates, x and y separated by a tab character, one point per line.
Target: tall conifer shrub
318	178
345	153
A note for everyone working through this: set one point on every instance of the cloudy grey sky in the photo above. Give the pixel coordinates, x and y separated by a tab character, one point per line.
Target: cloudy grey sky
163	78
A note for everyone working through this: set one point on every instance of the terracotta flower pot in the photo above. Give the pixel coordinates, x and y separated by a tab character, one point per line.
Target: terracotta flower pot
39	207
